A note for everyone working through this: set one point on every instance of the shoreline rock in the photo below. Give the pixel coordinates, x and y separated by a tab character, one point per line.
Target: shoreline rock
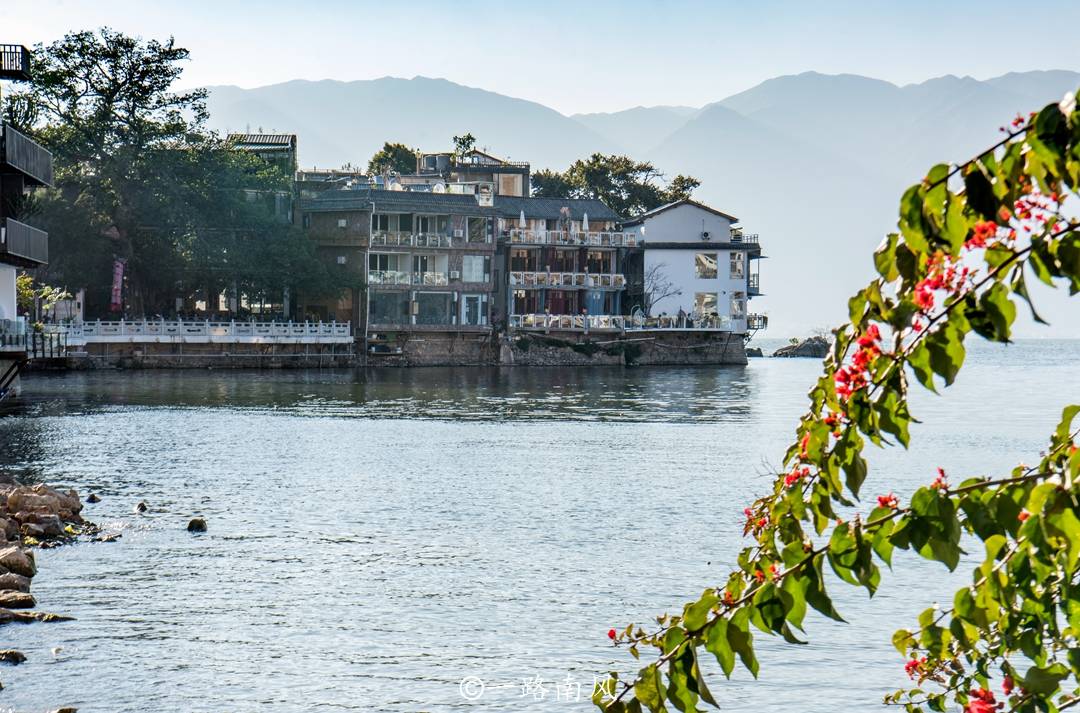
815	347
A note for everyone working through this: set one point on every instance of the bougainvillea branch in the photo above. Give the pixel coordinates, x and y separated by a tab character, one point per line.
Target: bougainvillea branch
970	235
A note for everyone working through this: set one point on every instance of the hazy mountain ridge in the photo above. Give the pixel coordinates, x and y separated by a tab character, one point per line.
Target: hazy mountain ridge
814	163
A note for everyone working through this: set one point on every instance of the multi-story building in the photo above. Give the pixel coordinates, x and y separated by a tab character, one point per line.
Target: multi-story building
425	259
469	173
24	165
697	266
559	263
276	149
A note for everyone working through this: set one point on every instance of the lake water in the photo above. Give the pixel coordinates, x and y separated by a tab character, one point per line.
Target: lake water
375	537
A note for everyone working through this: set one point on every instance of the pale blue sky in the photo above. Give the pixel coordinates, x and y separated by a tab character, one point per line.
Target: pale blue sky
581	55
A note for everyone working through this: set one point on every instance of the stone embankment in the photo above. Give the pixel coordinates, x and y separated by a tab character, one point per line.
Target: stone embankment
32	516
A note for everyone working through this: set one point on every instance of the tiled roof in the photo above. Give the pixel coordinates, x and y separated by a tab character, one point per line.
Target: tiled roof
397	202
668	206
549	208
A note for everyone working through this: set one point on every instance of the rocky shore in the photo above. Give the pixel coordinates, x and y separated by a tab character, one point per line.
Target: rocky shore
32	517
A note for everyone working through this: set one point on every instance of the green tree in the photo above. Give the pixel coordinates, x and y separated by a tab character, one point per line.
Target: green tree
398	158
626	186
139	177
970	236
463	145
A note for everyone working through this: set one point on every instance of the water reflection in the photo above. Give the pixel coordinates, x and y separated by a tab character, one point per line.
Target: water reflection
589	394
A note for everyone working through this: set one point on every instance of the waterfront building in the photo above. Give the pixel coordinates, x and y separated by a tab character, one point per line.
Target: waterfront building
425	259
697	266
24	165
471	172
276	149
559	263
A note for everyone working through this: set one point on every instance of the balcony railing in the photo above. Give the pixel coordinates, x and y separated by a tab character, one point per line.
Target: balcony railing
25	156
430	279
405	239
171	330
757	321
520	236
740	237
14	63
567	280
582	322
22	244
755	282
388	277
13	335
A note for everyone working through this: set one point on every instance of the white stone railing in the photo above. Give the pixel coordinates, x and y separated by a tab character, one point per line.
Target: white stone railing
601	239
572	280
203	331
625	323
407	239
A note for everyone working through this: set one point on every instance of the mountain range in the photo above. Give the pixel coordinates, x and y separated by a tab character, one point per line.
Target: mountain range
813	163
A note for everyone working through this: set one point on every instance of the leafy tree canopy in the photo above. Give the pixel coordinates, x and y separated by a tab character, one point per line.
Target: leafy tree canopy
139	177
394	157
627	186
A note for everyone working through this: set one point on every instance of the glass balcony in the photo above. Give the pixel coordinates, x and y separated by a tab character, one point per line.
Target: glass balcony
22	154
23	245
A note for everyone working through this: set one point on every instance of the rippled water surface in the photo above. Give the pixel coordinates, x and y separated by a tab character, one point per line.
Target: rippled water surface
375	537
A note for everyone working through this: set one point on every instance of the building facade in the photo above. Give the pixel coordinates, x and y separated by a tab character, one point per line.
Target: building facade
697	264
24	165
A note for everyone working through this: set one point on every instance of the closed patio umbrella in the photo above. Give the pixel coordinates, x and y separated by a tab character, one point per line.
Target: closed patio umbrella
521	220
585	222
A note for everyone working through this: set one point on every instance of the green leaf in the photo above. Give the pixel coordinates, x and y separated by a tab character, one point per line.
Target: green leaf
814	586
649	688
1019	286
742	641
885	258
979	192
946	349
1044	681
717	644
999	308
695	614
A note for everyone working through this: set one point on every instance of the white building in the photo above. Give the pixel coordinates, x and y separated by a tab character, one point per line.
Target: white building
698	262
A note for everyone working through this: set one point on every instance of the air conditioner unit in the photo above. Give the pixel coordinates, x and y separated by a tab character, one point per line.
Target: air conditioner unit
341	260
705	235
455	275
459	233
487	277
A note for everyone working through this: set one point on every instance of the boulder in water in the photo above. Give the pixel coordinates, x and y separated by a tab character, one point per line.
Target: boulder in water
815	347
12	656
18	560
17	600
197	524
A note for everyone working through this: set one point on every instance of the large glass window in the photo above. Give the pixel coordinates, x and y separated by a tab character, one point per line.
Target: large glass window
705	266
435	224
385	261
472	310
523	260
704	304
388	307
738	265
738	305
564	261
475	268
477	230
434	308
600	262
380	221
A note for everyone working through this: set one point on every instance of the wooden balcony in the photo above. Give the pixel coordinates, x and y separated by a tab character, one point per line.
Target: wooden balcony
567	280
601	239
23	245
14	63
24	156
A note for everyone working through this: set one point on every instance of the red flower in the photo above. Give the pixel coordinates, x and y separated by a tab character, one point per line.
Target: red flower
729	599
982	701
611	634
888	501
774	571
913	667
804	444
762	522
759	575
1023	516
984	230
870	336
1007	685
939	482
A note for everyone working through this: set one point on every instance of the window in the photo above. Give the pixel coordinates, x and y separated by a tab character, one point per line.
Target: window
705	266
738	265
380	221
384	261
405	222
342	223
472	310
434	308
704	304
564	261
475	268
522	260
738	305
599	262
477	230
434	224
307	220
388	308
